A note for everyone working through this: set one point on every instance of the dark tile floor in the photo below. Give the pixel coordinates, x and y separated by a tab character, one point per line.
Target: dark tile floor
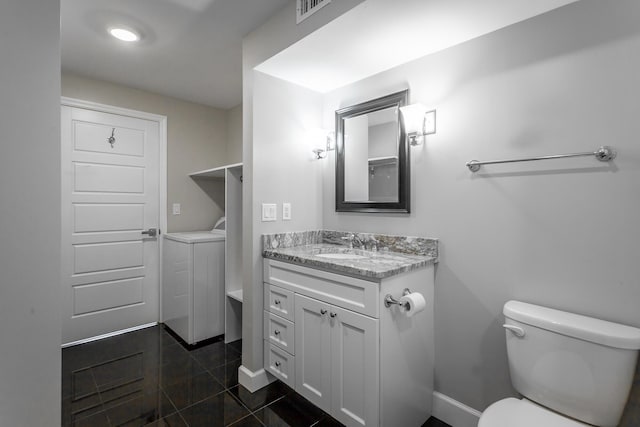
147	378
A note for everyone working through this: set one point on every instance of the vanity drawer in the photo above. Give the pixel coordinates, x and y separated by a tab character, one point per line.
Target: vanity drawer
278	301
280	363
347	292
279	331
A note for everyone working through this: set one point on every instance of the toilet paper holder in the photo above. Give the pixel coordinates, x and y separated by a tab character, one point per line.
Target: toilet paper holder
389	299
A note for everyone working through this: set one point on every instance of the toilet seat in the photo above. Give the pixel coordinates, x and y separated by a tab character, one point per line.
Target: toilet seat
512	412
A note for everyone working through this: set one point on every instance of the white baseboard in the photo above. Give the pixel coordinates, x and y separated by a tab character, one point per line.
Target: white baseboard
253	381
110	334
454	413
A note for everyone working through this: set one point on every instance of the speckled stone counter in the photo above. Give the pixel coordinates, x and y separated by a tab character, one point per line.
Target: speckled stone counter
370	256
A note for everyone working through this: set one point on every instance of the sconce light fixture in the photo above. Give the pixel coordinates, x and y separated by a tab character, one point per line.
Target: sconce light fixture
326	140
418	122
320	153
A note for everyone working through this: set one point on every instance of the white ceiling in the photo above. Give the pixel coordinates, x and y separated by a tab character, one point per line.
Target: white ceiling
191	49
378	35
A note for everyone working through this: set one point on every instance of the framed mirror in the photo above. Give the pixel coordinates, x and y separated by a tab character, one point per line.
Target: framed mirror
372	157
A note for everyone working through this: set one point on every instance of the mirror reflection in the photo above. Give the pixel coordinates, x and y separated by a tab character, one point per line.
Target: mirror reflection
372	172
371	156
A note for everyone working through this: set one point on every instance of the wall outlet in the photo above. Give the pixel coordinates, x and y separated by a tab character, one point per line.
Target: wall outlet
176	209
269	212
286	211
430	122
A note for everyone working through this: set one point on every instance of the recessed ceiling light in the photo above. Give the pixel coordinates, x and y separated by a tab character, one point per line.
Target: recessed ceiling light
124	34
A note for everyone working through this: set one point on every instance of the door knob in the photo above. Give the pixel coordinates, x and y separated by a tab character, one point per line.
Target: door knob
323	311
333	314
152	232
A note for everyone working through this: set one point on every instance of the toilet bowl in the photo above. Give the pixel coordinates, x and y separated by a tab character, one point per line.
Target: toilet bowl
571	370
512	412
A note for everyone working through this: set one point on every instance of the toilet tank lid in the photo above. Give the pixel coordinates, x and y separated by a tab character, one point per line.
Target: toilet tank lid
574	325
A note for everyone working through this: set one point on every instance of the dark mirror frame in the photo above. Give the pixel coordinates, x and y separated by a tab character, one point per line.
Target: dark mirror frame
398	99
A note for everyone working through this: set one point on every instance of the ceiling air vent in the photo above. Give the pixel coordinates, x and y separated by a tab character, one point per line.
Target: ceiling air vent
306	8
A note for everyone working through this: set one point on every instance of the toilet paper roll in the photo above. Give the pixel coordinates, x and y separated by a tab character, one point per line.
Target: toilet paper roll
413	303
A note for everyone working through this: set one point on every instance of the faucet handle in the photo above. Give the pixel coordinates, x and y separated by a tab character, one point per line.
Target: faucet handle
350	238
372	243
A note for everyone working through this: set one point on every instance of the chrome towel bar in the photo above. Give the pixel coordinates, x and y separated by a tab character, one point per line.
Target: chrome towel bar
604	154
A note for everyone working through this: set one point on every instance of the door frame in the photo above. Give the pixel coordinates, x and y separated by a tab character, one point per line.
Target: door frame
162	186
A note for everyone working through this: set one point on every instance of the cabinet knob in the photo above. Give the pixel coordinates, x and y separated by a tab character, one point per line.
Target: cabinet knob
278	364
276	332
323	311
333	314
276	302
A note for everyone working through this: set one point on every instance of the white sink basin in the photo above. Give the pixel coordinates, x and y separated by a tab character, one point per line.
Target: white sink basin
342	256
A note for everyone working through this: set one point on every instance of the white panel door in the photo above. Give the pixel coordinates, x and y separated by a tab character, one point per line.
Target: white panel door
110	195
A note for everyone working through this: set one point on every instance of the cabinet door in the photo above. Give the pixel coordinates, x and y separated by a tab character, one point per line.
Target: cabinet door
355	365
313	351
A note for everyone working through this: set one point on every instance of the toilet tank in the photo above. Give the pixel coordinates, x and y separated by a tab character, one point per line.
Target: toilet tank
576	365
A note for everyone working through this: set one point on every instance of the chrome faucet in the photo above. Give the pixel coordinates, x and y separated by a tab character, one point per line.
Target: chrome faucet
350	238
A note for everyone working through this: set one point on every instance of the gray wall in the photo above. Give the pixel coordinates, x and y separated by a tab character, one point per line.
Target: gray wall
561	233
196	140
284	170
30	326
272	37
234	135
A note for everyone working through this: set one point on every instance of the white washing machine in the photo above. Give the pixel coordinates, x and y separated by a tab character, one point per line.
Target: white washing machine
193	283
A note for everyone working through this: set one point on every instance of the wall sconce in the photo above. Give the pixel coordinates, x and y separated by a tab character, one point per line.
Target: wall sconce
320	153
418	122
326	139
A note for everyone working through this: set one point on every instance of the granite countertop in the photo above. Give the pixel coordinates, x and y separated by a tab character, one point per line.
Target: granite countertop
310	249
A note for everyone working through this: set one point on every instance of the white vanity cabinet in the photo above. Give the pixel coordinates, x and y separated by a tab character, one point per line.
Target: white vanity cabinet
331	338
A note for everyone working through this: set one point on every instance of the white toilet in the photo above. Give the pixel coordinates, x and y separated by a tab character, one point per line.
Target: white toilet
572	370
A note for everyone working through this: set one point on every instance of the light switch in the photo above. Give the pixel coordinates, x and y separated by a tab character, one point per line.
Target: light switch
269	212
286	211
176	208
